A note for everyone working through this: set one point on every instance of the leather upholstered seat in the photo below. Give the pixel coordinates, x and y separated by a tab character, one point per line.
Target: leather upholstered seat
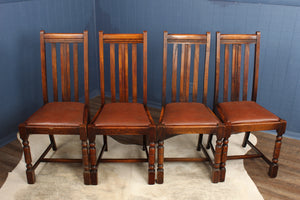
58	114
188	113
238	112
123	114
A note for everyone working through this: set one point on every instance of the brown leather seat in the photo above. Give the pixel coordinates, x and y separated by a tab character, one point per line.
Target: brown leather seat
237	112
123	114
58	114
188	113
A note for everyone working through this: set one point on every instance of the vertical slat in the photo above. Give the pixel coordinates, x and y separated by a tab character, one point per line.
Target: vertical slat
112	72
68	73
238	71
217	73
121	72
256	66
187	71
54	71
101	56
233	73
43	67
206	69
86	67
125	72
134	73
145	67
226	73
174	72
182	69
196	72
63	71
75	66
164	83
246	69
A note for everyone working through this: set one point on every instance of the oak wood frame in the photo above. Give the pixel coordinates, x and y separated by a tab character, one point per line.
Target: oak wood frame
145	131
186	40
25	130
237	40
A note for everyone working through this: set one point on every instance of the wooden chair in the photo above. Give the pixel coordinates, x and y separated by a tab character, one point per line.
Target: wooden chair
236	112
185	117
123	117
62	116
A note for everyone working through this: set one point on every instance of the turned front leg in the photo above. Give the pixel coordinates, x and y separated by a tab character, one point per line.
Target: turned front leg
223	159
93	159
151	161
85	161
160	166
27	155
273	170
217	161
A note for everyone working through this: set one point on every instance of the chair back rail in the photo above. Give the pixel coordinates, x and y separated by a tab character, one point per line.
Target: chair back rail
63	42
121	43
233	45
186	41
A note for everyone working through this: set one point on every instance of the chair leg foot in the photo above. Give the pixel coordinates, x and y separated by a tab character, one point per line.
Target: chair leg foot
215	178
87	177
160	176
273	170
93	177
30	176
222	174
151	177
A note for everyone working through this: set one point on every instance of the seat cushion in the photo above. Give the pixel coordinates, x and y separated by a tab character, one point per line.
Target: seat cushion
188	114
245	112
123	114
58	114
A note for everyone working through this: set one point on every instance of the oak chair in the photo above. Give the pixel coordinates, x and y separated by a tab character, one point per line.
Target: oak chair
237	111
185	117
125	116
65	115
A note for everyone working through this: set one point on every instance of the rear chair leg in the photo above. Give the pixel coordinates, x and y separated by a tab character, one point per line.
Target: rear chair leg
209	141
246	138
144	142
52	140
105	142
199	142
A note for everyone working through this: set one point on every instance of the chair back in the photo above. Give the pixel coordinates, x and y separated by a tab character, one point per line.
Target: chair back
60	45
236	48
119	65
189	45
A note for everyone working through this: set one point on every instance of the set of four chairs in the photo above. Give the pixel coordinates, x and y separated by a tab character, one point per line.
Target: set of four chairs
181	111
